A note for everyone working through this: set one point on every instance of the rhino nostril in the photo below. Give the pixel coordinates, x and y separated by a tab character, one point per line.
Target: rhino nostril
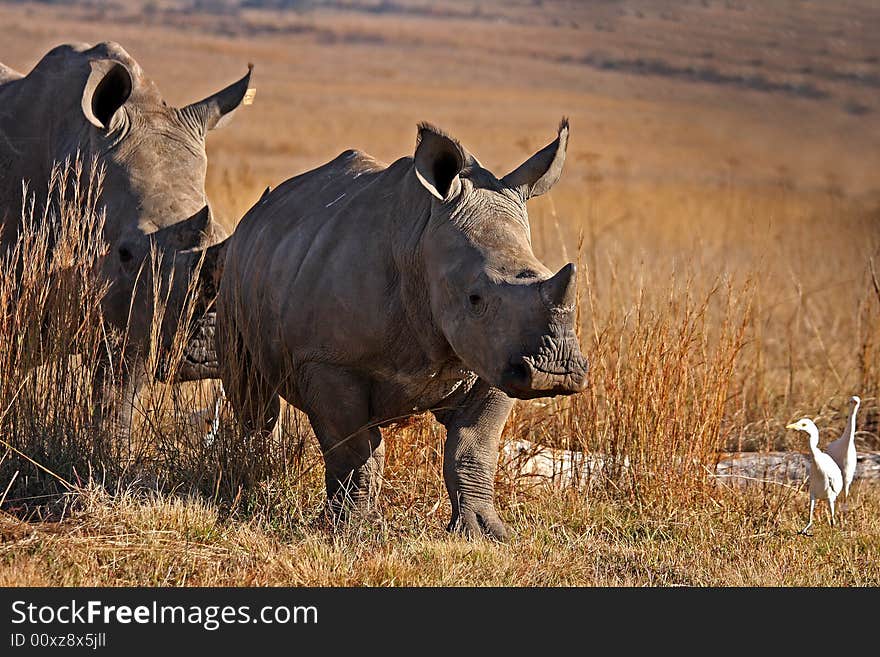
520	372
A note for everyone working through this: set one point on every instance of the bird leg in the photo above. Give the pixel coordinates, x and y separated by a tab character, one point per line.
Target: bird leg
831	504
809	524
844	503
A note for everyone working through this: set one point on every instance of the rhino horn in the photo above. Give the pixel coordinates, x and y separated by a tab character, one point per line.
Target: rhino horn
541	171
187	233
107	88
560	291
216	110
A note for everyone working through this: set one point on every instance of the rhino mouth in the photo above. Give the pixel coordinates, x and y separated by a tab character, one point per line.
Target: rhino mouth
199	359
530	377
550	369
200	354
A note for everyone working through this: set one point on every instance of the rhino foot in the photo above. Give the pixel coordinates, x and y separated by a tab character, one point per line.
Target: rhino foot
481	521
349	521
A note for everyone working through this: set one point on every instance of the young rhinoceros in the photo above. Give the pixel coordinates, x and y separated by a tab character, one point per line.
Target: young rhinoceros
363	293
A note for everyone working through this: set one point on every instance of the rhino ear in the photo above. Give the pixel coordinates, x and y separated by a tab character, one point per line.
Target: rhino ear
107	88
541	171
216	110
438	160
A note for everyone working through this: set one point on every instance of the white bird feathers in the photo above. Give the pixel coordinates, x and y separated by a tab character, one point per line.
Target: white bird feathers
826	480
843	450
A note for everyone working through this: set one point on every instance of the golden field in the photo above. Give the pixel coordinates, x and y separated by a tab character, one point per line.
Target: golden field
721	196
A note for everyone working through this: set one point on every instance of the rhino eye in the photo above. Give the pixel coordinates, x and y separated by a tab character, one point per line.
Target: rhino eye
124	254
477	305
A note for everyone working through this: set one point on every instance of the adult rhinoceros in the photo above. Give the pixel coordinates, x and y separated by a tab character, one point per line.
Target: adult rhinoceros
363	293
96	103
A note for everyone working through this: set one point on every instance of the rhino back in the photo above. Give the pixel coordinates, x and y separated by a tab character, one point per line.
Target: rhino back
20	150
8	74
308	268
41	114
41	121
157	175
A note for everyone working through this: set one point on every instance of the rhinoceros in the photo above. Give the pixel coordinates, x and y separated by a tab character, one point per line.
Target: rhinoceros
363	293
96	103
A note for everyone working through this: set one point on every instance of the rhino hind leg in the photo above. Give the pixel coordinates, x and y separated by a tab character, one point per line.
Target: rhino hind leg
337	403
470	458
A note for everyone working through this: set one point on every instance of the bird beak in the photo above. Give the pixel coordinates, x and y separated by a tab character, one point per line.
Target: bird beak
791	426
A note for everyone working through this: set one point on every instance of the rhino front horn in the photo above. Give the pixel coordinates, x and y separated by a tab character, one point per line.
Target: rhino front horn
187	233
561	290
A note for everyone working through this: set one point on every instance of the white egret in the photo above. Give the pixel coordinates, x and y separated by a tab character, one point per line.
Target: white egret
826	481
214	421
843	450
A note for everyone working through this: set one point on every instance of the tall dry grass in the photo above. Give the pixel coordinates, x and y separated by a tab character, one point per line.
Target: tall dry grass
661	377
869	333
60	359
50	307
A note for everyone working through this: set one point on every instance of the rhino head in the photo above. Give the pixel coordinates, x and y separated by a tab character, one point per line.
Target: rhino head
157	211
507	317
163	280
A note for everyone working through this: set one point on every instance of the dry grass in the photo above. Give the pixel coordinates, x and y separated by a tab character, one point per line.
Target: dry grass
50	305
561	540
728	242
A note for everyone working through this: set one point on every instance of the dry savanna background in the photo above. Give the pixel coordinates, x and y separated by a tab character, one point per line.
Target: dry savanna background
721	196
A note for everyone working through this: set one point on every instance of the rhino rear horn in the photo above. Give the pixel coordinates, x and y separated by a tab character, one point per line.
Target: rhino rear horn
438	160
107	88
216	110
560	291
541	171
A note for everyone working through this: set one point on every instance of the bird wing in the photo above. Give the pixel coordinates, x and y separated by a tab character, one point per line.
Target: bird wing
832	471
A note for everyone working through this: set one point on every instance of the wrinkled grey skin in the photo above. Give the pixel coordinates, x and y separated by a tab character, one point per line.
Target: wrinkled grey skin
96	101
363	294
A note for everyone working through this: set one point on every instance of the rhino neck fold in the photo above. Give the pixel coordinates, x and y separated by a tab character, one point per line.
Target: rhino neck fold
409	219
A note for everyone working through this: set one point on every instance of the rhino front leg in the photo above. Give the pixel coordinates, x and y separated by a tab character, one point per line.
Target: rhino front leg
255	402
337	403
470	459
115	386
